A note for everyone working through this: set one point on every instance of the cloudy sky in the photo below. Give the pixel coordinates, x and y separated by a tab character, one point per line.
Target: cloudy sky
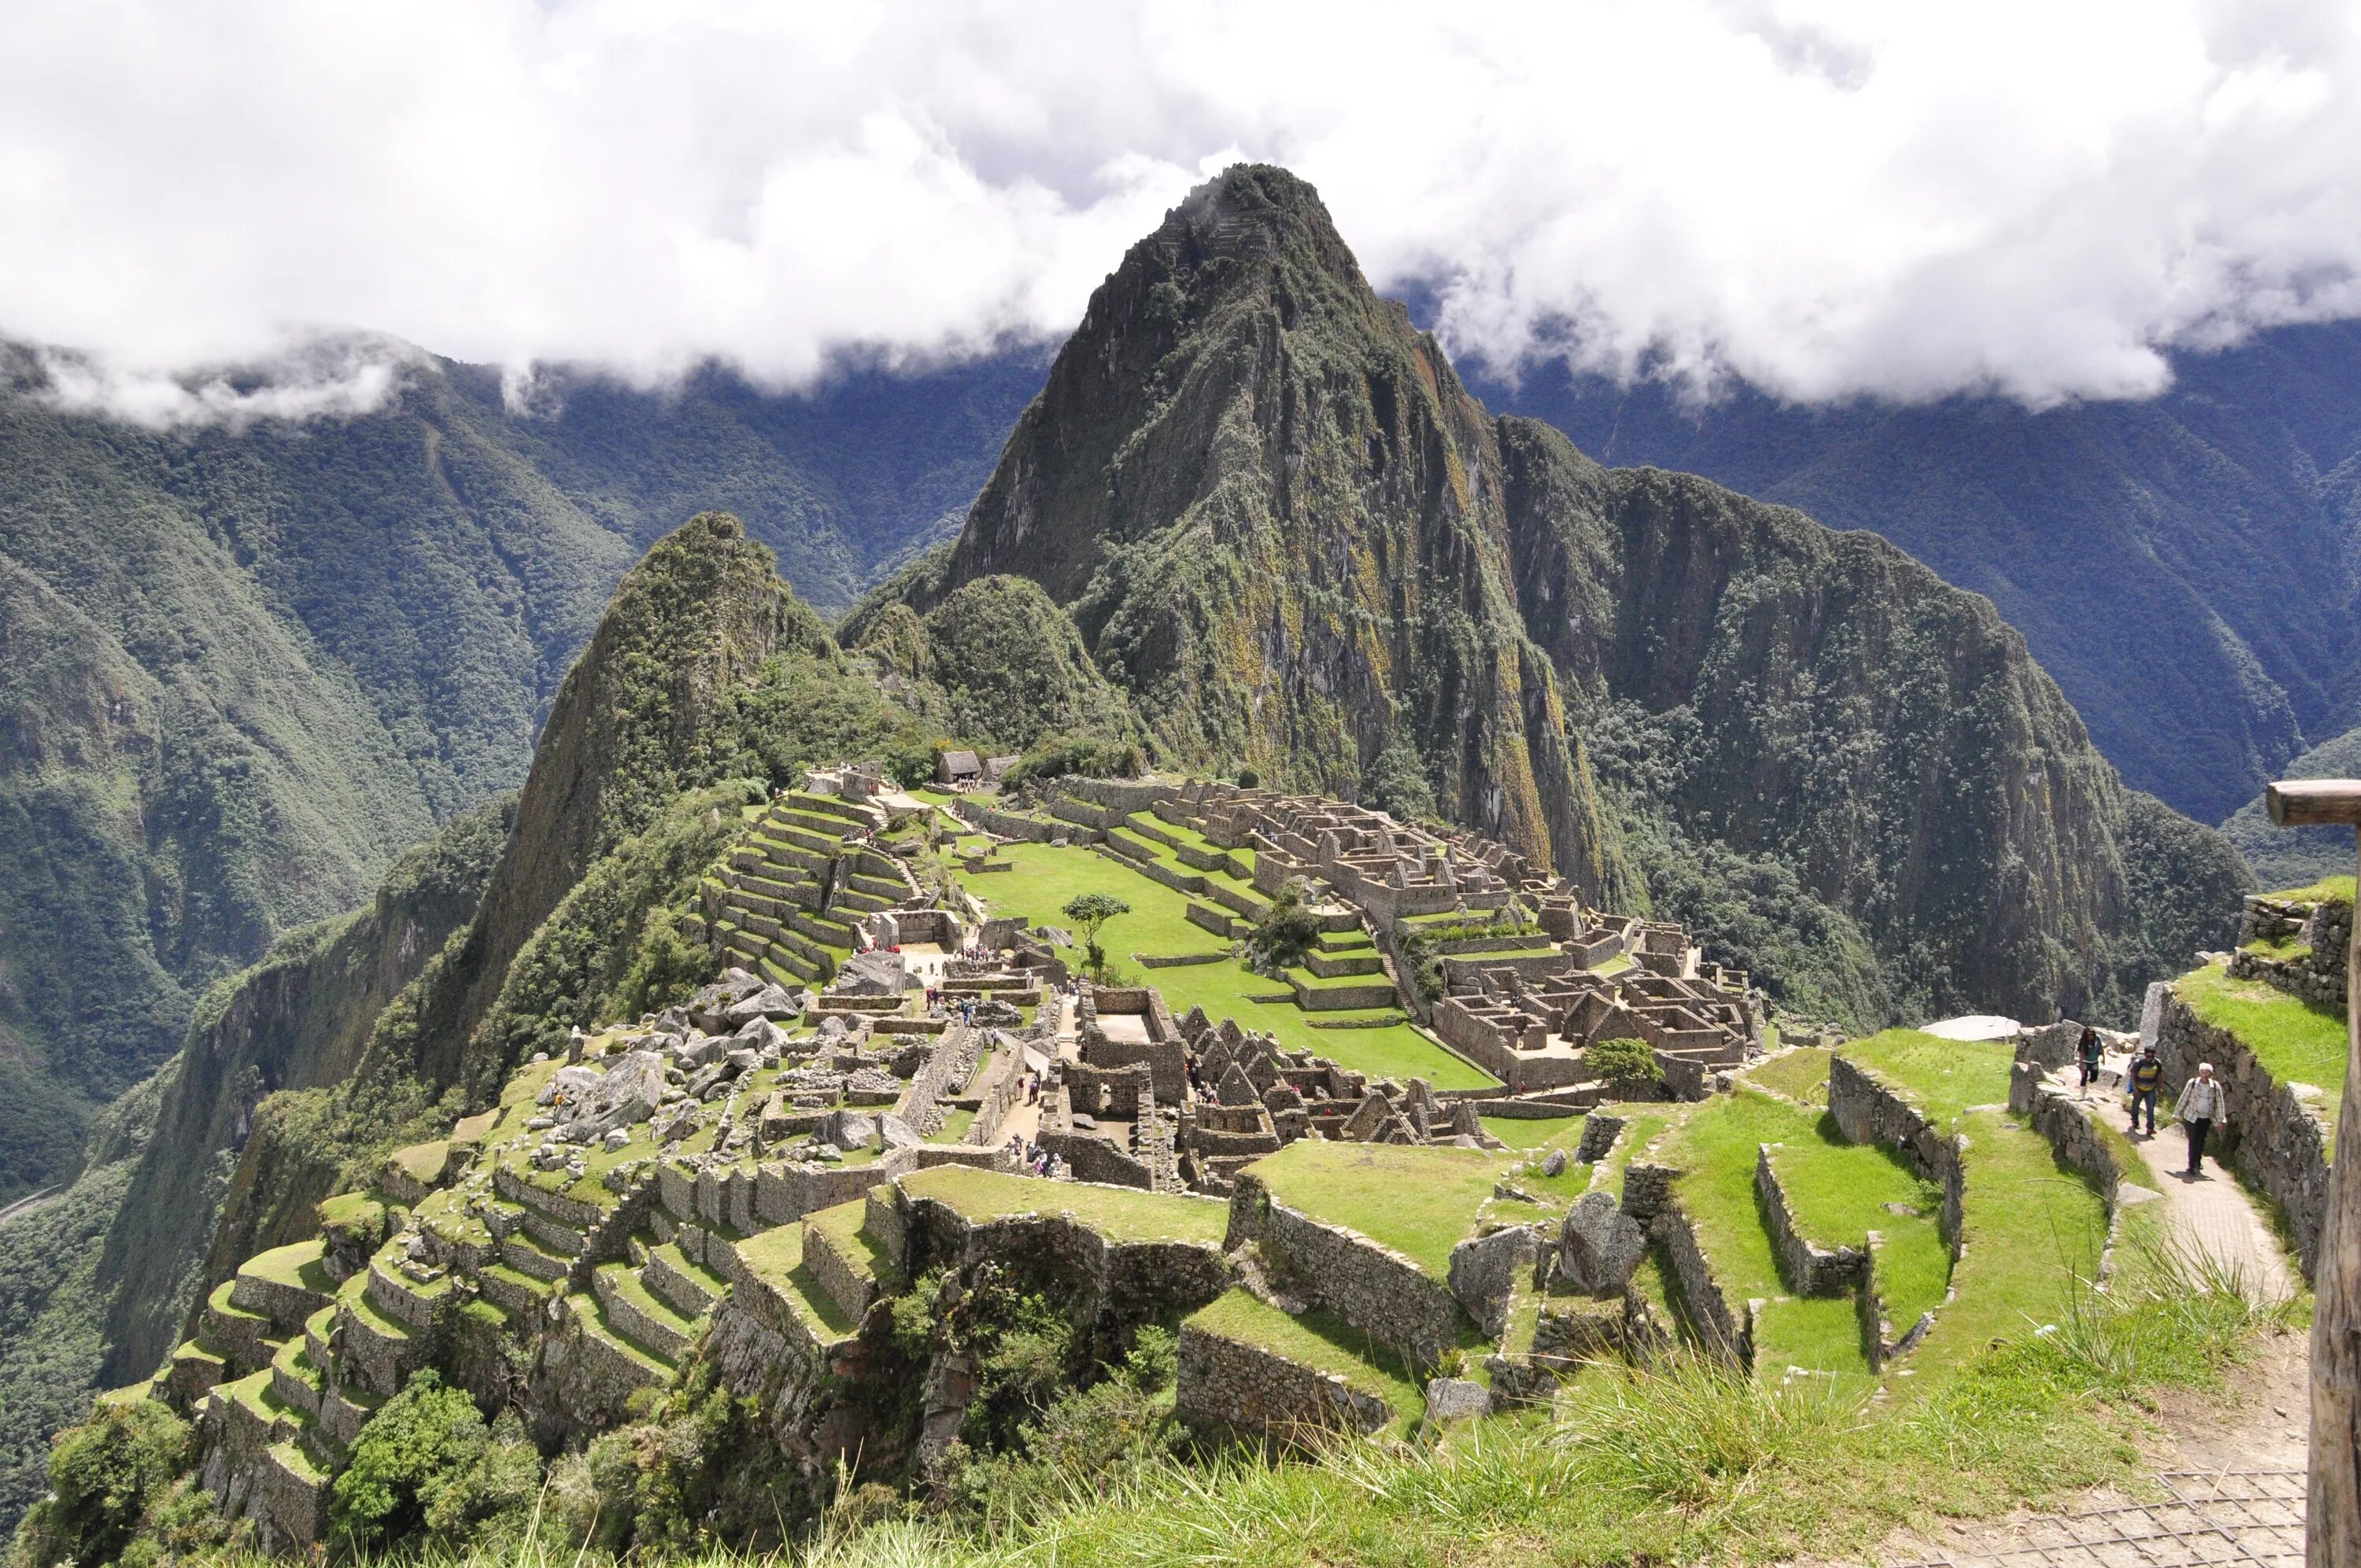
1827	199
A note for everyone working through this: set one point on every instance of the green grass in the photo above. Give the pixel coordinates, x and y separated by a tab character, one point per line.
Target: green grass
1317	1340
1642	1125
954	1128
1838	1193
298	1265
1047	878
2295	1041
2286	949
1946	1077
2128	1159
1714	1150
2031	1228
1118	1213
1420	1201
1535	1133
1800	1075
2327	888
776	1255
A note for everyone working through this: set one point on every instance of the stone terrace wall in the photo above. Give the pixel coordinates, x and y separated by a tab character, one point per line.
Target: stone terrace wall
1810	1268
2317	975
1728	1332
1869	1110
1228	1387
1368	1284
2057	1115
2275	1139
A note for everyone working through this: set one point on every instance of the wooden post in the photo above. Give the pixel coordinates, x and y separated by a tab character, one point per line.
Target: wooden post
2333	1520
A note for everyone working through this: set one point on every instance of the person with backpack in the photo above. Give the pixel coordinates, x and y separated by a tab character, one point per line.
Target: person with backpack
2204	1107
2090	1049
2146	1077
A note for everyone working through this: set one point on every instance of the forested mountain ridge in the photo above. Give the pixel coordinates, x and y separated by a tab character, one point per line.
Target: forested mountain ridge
1278	519
249	666
2188	566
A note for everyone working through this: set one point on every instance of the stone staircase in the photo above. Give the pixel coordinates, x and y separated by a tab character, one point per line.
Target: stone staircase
786	905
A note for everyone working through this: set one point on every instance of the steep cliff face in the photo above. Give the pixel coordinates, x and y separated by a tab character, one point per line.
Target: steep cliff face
1823	699
641	717
1276	517
297	1020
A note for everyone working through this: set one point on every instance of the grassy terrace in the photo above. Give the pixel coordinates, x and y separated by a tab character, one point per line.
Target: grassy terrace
1714	1149
1802	1075
298	1264
1047	878
2031	1228
1542	1133
1118	1213
1419	1201
2321	892
1946	1076
777	1256
2295	1041
1315	1340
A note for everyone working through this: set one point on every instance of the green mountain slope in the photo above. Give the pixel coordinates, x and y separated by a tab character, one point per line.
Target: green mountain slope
2184	565
1279	519
246	668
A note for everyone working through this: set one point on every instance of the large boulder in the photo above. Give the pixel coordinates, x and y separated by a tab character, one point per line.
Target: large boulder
628	1091
1600	1246
871	975
770	1002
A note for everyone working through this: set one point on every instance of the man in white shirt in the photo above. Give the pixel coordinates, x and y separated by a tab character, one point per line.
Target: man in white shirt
2202	1106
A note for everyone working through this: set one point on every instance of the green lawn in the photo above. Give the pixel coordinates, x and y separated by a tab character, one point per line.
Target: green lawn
2295	1041
1317	1340
2321	892
1714	1150
1046	878
1420	1201
1946	1076
1800	1075
1118	1213
299	1264
1839	1192
2030	1226
1535	1133
777	1257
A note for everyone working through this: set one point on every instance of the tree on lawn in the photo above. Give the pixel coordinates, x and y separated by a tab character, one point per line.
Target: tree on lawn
1089	911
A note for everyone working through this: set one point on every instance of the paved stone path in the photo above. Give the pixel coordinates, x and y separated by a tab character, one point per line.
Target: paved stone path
2246	1516
2211	1212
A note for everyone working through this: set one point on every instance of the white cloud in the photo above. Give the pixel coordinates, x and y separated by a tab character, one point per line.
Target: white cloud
1827	199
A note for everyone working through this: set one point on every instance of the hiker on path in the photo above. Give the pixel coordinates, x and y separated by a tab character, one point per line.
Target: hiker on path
2091	1050
2146	1077
2202	1109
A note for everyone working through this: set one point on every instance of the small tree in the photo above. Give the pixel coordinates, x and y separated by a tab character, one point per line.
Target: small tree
1089	911
1628	1067
1284	935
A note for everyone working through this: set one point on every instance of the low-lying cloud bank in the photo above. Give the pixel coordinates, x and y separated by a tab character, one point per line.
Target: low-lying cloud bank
1827	201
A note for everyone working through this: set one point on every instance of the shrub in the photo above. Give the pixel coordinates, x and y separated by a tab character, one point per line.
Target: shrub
103	1477
1628	1067
1089	911
1422	966
1396	783
418	1447
1072	757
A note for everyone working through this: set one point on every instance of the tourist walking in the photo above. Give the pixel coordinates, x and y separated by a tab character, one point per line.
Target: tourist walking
2146	1077
2090	1049
2202	1109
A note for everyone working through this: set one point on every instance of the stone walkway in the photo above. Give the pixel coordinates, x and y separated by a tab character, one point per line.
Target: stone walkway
2248	1516
2212	1212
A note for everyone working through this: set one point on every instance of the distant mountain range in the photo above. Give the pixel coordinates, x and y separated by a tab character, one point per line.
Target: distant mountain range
2187	567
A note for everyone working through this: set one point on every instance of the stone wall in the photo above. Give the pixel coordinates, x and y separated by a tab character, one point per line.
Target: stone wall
1867	1109
1229	1389
2316	973
1095	1160
1728	1332
1810	1269
2055	1113
1485	1271
2276	1138
1370	1286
